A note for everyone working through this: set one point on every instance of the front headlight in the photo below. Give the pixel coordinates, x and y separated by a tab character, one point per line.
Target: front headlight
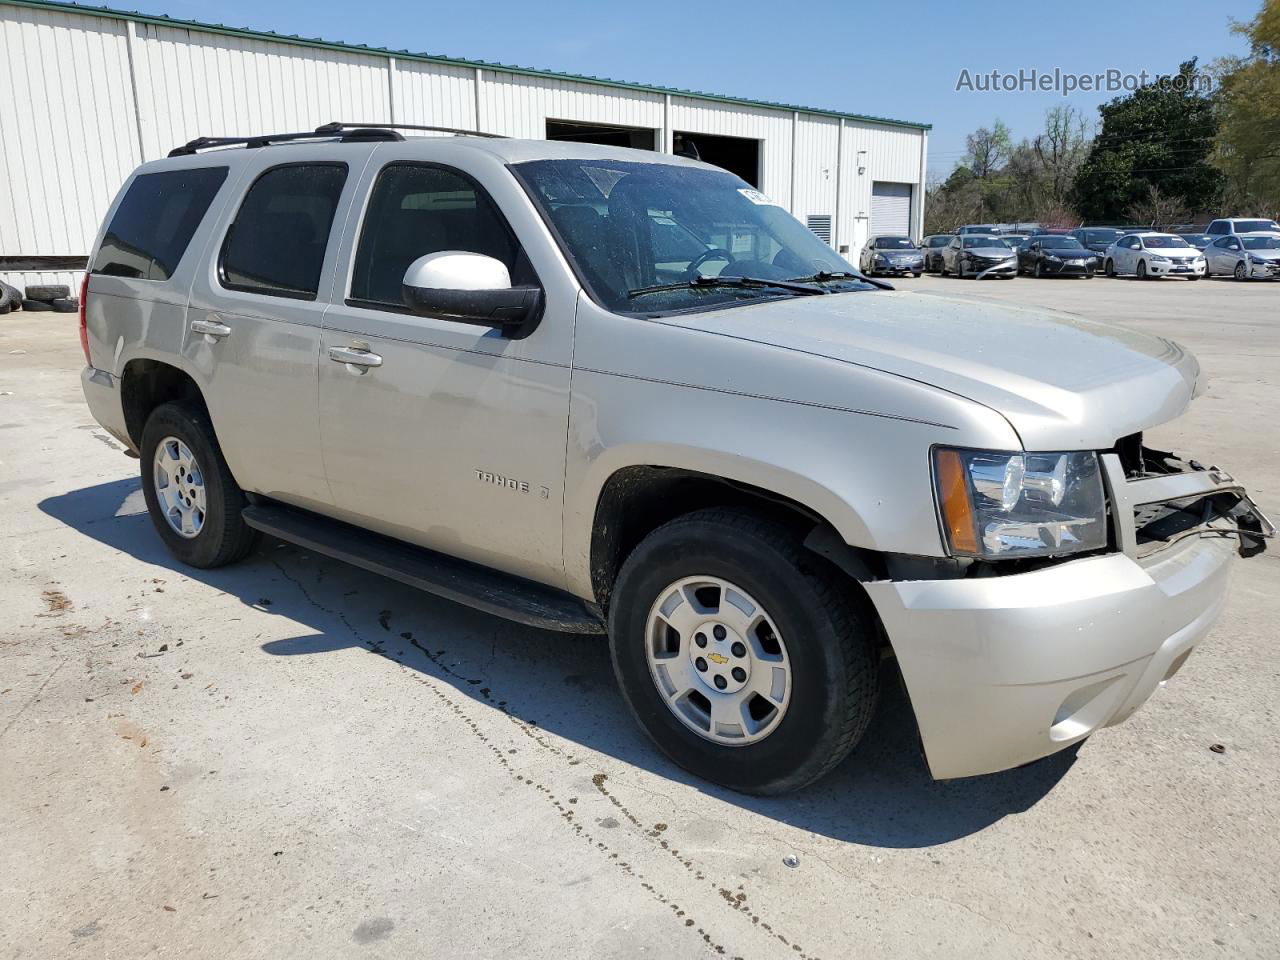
1008	505
880	258
1156	256
1050	257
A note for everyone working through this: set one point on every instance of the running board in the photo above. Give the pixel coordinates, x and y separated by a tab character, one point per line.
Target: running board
467	583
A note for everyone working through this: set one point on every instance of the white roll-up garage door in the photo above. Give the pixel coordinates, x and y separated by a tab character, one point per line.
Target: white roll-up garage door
891	208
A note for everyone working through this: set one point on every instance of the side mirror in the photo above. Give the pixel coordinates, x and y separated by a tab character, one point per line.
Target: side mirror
471	288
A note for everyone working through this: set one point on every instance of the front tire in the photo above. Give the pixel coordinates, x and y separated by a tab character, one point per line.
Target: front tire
1240	273
746	659
193	500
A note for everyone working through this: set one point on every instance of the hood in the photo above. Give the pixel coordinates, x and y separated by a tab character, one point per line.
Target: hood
1062	382
898	254
991	253
1264	254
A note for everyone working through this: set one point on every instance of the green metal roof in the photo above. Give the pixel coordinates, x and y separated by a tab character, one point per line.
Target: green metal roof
166	21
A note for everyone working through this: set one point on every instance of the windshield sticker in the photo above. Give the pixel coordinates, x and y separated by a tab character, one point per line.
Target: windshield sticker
604	179
756	197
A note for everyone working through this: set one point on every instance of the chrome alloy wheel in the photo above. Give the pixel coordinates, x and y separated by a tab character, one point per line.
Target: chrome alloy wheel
718	660
179	486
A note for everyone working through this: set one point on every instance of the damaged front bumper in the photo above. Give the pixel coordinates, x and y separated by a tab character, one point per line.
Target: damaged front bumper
1005	669
1004	268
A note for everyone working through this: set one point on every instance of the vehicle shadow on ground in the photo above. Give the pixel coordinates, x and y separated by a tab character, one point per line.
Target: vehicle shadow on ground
881	796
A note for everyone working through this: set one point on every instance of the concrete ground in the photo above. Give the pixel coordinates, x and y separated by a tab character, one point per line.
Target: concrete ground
292	758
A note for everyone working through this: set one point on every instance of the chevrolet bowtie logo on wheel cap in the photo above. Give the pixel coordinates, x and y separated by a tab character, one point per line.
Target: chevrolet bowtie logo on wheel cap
717	657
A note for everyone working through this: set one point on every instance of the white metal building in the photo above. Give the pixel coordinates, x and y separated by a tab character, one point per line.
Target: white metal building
88	93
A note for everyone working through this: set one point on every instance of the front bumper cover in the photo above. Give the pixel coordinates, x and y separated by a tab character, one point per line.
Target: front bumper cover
1003	670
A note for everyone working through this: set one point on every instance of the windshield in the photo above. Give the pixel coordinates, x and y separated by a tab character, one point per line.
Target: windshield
1249	226
1161	242
1101	236
894	243
1196	238
972	243
940	241
627	227
1261	243
1061	243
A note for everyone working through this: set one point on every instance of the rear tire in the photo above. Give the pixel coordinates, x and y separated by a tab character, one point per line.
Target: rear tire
217	535
807	641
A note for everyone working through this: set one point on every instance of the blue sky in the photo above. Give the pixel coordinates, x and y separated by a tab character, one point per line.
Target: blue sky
884	59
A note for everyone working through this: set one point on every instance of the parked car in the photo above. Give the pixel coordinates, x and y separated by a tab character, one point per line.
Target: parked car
1197	240
1246	256
1150	255
462	362
1235	225
933	247
891	253
1056	255
978	257
981	229
1097	239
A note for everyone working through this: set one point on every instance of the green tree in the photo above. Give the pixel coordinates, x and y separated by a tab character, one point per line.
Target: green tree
1248	144
1160	135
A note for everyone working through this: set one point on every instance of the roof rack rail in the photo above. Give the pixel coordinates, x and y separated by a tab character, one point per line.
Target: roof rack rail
456	131
344	132
325	132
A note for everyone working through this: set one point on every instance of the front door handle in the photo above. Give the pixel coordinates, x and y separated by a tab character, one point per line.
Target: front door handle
211	329
357	357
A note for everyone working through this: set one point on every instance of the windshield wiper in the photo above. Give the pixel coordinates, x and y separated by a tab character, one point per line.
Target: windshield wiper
748	283
822	276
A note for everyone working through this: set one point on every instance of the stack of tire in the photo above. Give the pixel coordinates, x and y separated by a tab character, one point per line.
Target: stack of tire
55	297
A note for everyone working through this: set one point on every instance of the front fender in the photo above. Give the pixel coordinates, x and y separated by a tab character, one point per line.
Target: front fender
867	476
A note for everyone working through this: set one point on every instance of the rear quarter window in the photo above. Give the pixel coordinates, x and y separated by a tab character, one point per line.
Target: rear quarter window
155	222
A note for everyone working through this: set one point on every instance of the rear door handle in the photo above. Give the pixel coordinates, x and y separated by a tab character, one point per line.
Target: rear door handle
211	329
355	356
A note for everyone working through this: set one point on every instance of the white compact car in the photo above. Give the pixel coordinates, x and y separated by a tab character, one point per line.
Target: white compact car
1149	255
1245	256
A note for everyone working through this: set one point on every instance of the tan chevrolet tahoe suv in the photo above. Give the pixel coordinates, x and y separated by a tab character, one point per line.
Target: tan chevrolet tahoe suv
610	391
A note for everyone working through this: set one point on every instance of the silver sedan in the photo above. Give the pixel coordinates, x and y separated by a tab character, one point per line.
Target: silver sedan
891	253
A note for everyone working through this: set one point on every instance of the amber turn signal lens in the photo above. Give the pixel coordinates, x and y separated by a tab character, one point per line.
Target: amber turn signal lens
957	507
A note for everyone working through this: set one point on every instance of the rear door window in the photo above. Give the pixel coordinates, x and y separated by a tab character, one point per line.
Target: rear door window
155	222
277	242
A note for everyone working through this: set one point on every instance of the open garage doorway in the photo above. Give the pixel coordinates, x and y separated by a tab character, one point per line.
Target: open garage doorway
639	138
738	155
